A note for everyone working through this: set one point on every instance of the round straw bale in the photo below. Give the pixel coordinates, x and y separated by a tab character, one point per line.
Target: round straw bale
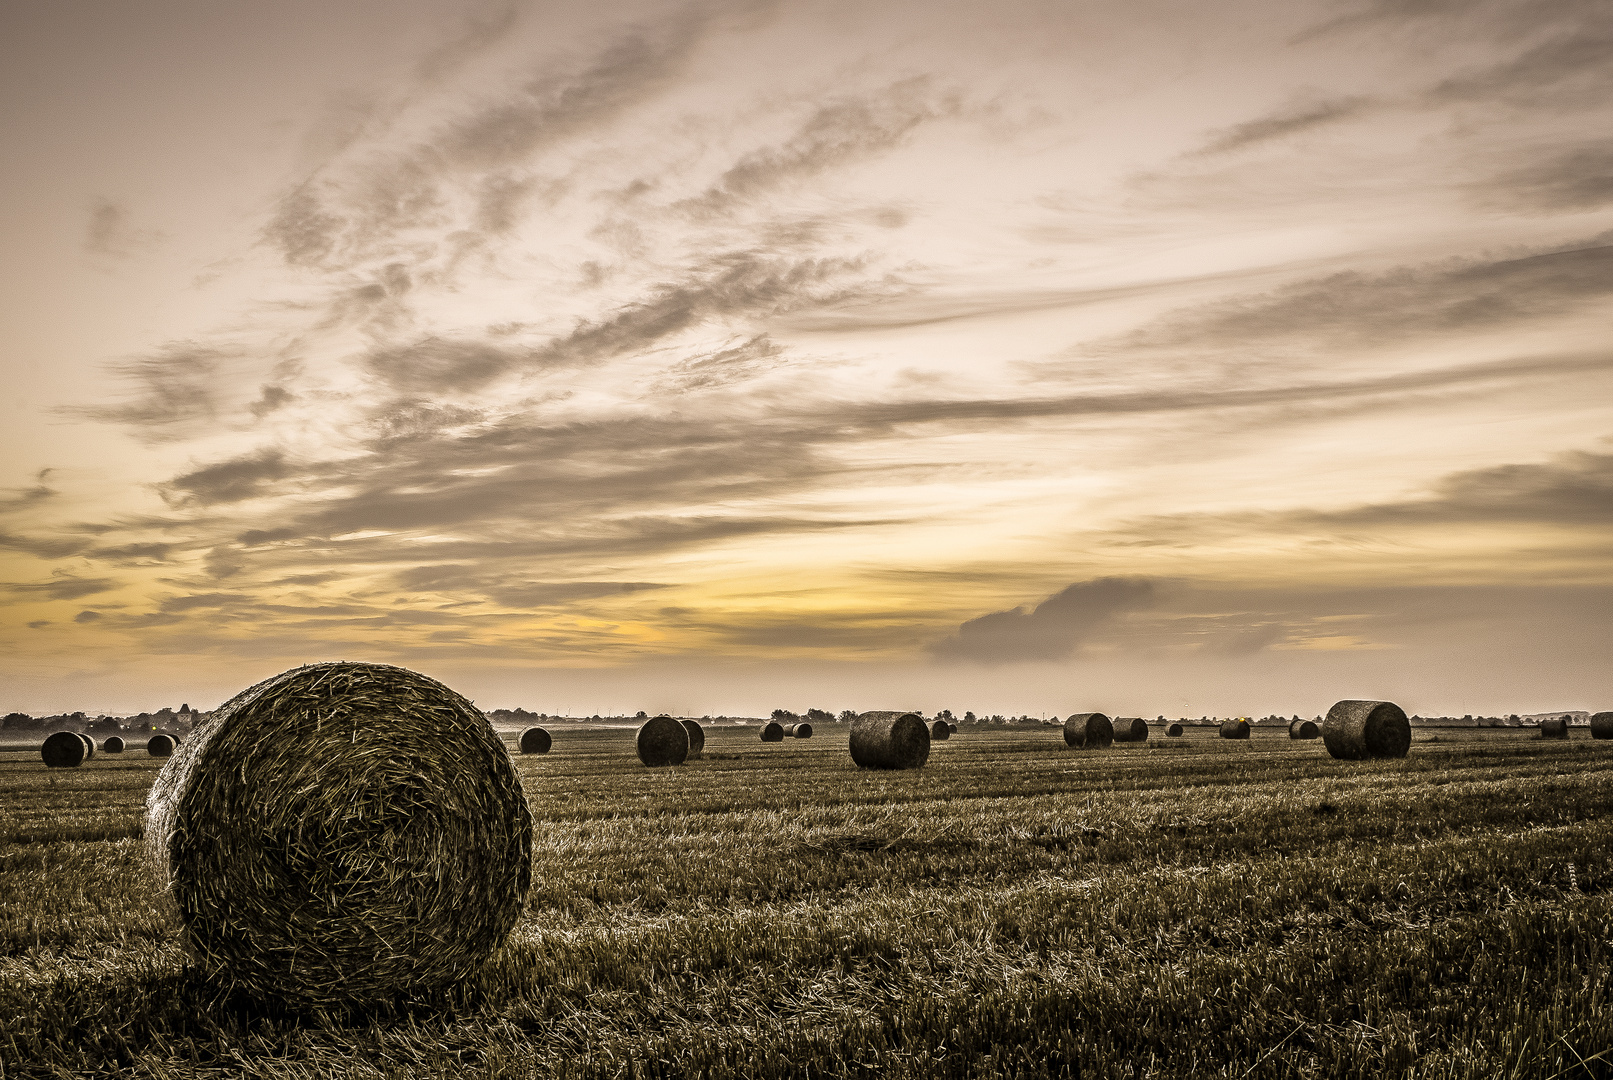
535	740
1602	725
953	728
1089	731
1234	729
1303	729
62	750
803	730
1130	729
940	731
160	745
890	740
343	834
1356	730
1554	727
1174	731
772	731
697	738
113	744
89	746
662	741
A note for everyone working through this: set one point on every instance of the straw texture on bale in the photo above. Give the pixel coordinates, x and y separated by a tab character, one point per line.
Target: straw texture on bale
1089	731
343	834
1555	727
1234	729
1174	731
89	746
803	730
662	741
535	740
113	745
1358	730
940	731
63	750
772	731
1130	729
697	738
1303	729
890	740
1602	725
160	745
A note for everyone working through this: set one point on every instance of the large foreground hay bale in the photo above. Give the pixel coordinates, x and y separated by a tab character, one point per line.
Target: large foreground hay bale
697	738
940	731
63	750
343	833
662	741
772	731
1303	729
1554	727
535	740
1357	730
161	745
1130	729
803	730
890	740
1602	725
113	744
1234	729
1089	731
1174	731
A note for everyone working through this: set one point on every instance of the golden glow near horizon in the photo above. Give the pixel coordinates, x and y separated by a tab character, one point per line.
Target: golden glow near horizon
1156	357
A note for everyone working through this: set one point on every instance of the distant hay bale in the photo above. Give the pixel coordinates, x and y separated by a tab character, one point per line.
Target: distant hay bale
1555	727
113	745
1602	725
160	745
802	730
952	728
63	750
1130	729
1174	731
662	741
890	740
772	731
697	738
1303	729
1234	729
1089	731
1358	730
940	731
343	834
89	746
535	740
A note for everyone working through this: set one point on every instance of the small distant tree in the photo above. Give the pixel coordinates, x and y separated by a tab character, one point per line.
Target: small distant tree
17	720
820	716
847	716
785	716
944	714
641	715
968	717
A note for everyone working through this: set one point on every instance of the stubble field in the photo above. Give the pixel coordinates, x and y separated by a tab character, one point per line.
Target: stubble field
1187	908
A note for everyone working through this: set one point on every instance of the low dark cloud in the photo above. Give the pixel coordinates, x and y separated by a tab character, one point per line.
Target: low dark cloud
837	133
112	234
229	481
724	367
132	554
1564	182
87	616
1053	629
66	587
1434	298
1287	122
1569	69
173	387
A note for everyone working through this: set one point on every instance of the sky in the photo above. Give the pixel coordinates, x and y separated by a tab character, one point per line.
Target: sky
1142	356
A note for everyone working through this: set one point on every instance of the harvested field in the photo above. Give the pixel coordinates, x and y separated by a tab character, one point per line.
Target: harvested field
774	911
